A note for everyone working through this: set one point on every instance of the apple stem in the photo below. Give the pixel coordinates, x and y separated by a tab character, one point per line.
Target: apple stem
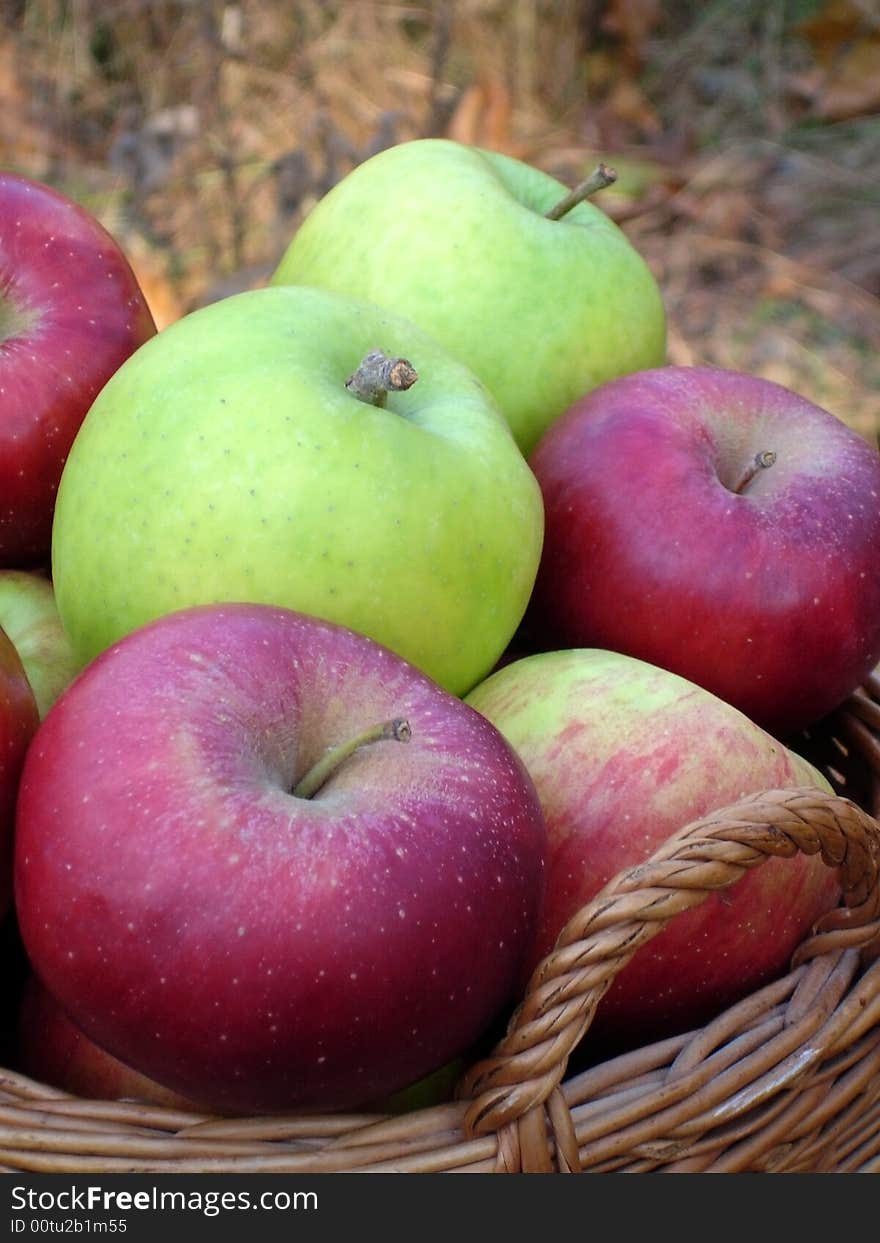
378	375
398	729
760	462
599	178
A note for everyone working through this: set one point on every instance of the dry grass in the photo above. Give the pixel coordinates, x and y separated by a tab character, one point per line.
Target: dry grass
202	132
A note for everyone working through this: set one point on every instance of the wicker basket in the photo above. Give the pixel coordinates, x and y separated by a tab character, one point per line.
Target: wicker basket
786	1080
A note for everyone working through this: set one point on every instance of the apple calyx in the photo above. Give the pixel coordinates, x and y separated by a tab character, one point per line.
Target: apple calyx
599	178
397	730
15	320
761	461
378	375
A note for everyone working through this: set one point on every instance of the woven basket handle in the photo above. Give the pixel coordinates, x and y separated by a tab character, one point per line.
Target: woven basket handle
509	1090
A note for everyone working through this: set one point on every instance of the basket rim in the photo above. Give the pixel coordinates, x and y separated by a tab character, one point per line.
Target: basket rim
782	1078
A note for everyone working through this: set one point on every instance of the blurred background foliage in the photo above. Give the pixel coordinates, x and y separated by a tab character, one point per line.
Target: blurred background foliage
746	136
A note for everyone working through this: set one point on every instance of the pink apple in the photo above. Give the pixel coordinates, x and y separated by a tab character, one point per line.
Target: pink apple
52	1050
623	754
665	541
71	311
19	719
210	921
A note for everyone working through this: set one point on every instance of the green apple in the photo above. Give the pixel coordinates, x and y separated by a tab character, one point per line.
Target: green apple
457	238
29	615
434	1089
227	459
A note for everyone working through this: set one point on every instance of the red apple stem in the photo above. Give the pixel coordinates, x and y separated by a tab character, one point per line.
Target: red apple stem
760	462
378	375
599	178
397	729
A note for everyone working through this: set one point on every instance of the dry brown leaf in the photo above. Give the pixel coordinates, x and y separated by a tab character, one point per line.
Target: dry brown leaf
844	38
23	143
627	102
837	21
853	88
151	270
631	21
482	117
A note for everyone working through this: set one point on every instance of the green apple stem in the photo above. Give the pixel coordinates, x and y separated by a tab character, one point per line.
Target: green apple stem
599	178
378	375
397	729
760	462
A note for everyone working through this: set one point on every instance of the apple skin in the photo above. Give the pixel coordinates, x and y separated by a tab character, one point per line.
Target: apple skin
623	755
250	948
769	598
455	238
19	719
226	460
71	310
52	1050
30	617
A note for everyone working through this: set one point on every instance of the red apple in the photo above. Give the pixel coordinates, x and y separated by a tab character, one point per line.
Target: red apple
665	541
624	754
212	914
71	311
19	719
52	1050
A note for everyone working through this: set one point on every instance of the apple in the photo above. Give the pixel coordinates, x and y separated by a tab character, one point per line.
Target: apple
19	719
437	1088
624	754
52	1050
71	310
30	617
721	526
237	876
458	239
245	453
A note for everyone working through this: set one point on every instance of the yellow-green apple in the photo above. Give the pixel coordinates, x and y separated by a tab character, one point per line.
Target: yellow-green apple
30	617
71	310
236	456
459	239
238	876
721	526
623	754
19	719
51	1049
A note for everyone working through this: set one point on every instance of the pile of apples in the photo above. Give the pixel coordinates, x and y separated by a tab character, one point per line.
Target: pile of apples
357	629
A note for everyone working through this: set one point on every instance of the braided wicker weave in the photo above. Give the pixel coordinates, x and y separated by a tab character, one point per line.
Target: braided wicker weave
786	1080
